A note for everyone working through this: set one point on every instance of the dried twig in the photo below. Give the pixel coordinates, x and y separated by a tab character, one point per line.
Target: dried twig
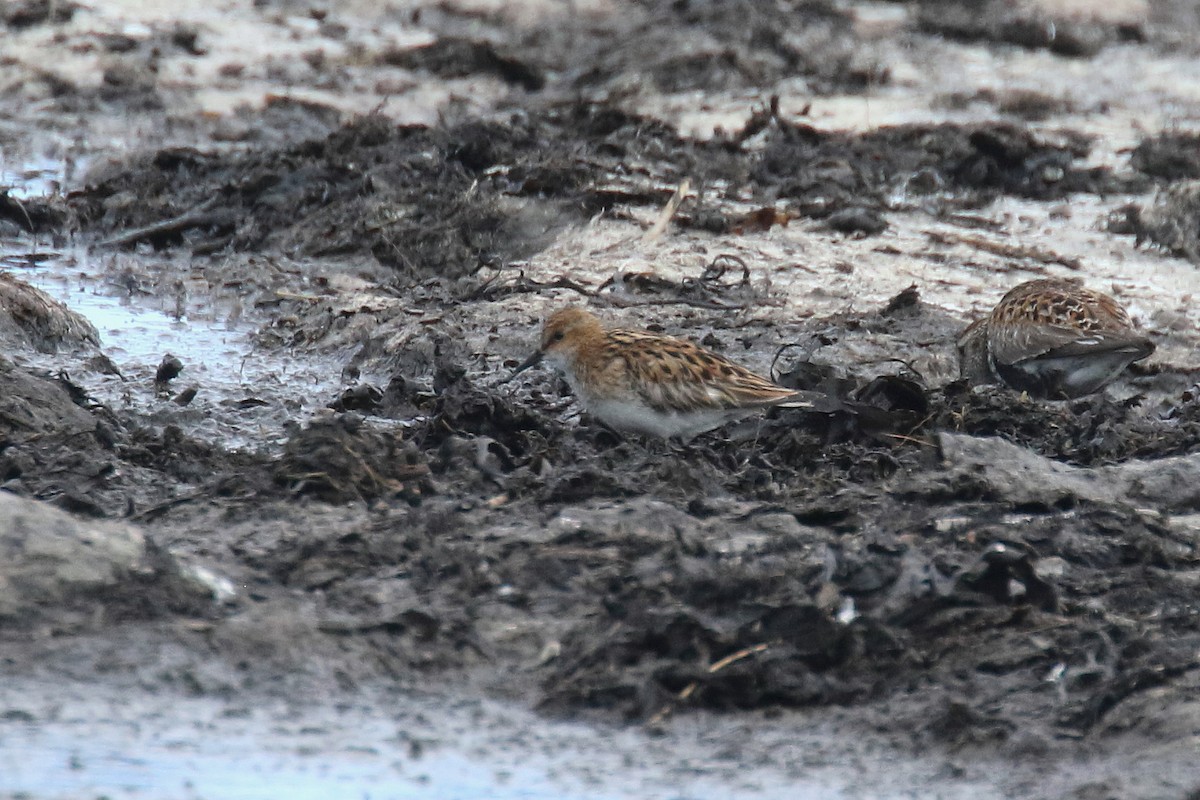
1005	250
716	667
493	289
16	201
197	217
910	439
668	212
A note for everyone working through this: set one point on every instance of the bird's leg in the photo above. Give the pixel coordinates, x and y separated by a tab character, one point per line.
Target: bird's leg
618	437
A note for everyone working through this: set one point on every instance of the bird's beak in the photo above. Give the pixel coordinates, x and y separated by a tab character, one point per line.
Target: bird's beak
527	363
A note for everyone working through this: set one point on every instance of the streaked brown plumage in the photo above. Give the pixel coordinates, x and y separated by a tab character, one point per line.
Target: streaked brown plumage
1052	339
650	383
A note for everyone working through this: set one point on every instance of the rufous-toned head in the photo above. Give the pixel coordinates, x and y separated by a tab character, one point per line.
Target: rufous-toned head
563	334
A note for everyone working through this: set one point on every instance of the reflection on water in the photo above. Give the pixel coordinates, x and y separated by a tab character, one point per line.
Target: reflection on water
407	748
51	764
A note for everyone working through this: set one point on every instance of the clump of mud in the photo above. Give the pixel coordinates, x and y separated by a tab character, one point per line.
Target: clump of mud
404	195
59	444
31	318
1171	156
1171	221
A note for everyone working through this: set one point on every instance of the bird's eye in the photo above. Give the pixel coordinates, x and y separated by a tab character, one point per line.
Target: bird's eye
557	337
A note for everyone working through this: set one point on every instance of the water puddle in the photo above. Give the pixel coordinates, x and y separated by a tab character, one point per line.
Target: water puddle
245	392
37	177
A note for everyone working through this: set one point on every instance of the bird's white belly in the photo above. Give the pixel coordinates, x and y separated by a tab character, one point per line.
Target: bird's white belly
631	415
639	418
1075	376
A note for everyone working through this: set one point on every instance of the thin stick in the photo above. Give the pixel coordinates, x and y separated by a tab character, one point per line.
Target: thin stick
189	219
668	212
716	667
1004	249
913	439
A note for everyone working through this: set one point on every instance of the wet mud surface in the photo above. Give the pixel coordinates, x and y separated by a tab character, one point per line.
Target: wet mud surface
944	568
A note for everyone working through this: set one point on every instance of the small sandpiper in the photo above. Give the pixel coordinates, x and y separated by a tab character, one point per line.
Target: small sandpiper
1053	339
650	383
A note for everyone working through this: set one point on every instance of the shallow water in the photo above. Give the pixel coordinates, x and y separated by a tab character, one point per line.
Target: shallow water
417	747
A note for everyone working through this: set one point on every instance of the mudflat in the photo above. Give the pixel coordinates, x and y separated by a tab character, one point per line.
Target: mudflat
270	266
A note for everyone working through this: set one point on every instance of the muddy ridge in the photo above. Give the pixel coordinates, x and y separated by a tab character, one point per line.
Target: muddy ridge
448	202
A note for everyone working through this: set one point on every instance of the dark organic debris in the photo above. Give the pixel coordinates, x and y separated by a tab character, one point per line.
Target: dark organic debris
713	289
34	215
865	221
681	47
892	404
1015	161
1171	156
168	370
451	57
741	641
364	397
509	282
341	459
1171	221
1008	575
1013	250
207	216
1027	26
25	13
369	187
828	172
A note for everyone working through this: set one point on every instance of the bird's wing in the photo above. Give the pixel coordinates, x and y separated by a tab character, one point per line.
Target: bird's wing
676	375
1055	341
